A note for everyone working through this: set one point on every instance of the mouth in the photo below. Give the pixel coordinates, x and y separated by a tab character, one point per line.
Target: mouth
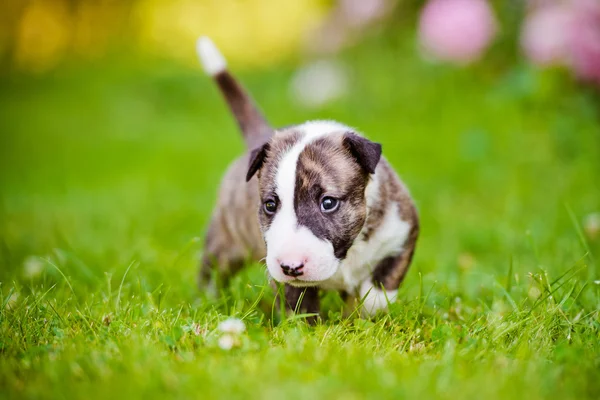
295	281
298	283
298	277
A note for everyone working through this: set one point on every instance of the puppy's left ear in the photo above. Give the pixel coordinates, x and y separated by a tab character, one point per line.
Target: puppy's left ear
365	152
257	159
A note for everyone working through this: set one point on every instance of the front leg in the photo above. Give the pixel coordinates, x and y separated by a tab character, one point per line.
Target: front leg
303	300
382	287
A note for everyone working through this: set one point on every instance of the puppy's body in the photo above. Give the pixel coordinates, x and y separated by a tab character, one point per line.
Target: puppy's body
332	214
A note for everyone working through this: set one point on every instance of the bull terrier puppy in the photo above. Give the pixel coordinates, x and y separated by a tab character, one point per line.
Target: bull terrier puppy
316	201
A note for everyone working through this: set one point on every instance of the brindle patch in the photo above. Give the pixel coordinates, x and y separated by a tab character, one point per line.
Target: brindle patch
390	271
233	234
279	145
326	168
376	211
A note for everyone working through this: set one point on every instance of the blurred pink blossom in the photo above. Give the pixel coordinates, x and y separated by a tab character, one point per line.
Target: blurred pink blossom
585	40
544	37
565	33
458	31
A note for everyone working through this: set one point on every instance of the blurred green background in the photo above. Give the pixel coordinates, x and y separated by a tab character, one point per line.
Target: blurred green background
113	143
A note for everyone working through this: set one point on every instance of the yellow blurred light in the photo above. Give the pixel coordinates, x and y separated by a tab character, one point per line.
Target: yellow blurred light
250	32
92	28
43	35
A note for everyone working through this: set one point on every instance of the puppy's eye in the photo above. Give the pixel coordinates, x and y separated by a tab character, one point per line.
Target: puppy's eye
270	206
329	204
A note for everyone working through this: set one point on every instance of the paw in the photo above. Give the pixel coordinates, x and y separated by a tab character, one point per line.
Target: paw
375	299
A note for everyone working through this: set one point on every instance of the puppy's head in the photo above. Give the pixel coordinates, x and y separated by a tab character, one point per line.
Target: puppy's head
312	181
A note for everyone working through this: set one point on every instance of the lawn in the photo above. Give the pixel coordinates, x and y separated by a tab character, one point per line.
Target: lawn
108	174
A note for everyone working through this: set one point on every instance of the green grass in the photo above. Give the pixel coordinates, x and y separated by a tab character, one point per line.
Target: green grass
108	176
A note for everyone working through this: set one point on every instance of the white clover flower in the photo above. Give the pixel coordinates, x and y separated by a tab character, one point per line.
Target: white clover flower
226	342
232	326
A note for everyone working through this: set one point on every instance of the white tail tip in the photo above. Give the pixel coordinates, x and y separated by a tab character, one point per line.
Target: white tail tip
211	58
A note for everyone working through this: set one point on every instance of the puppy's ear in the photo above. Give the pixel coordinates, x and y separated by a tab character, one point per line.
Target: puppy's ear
365	152
257	158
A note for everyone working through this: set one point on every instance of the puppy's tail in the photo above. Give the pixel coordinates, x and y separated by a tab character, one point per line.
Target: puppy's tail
254	127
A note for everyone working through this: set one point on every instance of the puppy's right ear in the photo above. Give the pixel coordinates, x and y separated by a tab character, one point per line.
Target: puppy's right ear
257	159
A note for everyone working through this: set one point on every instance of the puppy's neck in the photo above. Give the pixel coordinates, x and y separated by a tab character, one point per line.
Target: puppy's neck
373	193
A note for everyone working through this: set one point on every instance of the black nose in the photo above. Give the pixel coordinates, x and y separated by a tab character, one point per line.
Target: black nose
292	271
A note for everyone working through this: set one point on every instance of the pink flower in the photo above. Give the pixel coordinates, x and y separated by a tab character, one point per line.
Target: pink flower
565	33
458	31
585	40
544	38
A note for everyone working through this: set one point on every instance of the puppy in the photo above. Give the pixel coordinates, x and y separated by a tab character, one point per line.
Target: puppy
317	201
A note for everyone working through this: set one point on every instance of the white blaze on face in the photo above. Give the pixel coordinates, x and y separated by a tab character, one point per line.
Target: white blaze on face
287	242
